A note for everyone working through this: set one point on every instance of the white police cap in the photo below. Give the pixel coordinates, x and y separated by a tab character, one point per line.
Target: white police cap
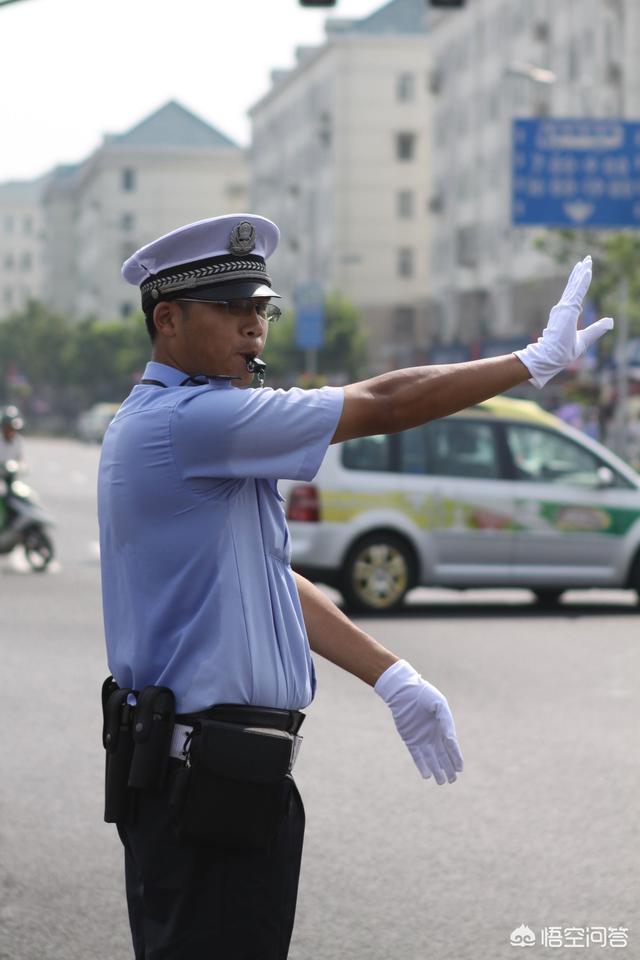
215	259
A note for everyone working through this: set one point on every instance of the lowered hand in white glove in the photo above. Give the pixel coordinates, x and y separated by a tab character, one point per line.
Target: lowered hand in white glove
561	342
423	719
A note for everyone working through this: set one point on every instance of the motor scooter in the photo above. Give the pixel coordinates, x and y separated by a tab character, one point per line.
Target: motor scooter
24	523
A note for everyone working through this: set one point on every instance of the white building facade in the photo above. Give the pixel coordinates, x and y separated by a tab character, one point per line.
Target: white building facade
21	244
168	170
340	161
490	63
64	237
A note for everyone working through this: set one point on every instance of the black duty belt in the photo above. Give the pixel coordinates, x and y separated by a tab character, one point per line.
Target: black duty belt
142	733
233	743
248	716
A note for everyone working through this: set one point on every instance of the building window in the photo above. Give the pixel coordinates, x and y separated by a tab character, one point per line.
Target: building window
405	146
8	261
573	63
588	44
405	262
27	226
324	129
493	107
405	204
128	179
126	309
405	86
127	221
467	245
26	261
8	297
8	224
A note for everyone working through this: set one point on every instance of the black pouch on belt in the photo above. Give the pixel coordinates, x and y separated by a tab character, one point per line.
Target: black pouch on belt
234	790
118	743
152	731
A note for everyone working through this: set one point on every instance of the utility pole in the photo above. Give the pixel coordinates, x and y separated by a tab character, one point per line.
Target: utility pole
622	372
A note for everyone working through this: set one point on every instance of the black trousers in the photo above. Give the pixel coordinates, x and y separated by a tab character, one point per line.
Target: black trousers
190	901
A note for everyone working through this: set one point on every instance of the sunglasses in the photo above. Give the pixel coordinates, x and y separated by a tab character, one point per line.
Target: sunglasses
243	308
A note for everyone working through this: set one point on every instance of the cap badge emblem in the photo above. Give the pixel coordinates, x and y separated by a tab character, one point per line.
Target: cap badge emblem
242	238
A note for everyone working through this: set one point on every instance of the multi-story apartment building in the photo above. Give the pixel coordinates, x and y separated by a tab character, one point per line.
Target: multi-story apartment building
492	61
340	160
21	244
169	169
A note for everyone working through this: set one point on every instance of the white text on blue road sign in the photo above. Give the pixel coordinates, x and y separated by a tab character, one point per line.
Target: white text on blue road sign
576	172
309	301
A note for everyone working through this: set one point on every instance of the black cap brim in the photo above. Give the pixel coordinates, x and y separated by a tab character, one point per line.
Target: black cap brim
234	290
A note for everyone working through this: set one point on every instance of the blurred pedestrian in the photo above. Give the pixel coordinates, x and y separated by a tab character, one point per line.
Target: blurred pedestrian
11	445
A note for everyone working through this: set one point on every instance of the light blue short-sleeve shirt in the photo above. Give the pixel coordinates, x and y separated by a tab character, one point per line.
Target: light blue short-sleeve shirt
198	593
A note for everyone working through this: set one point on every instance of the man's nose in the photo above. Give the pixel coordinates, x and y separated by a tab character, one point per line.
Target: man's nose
254	325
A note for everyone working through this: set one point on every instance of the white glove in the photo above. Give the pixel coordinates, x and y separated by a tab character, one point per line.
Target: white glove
561	342
423	719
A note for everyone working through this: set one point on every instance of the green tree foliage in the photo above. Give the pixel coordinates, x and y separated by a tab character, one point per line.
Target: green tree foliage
50	363
341	357
55	366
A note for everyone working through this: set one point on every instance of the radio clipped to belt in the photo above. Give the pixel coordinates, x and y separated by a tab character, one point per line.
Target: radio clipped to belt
152	732
234	788
118	743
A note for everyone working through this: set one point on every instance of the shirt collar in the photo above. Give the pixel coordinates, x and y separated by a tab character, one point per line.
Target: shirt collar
174	377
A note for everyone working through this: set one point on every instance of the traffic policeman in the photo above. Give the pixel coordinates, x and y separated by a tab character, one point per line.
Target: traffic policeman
209	632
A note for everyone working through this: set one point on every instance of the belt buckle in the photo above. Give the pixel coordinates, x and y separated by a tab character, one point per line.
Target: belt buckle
179	749
295	750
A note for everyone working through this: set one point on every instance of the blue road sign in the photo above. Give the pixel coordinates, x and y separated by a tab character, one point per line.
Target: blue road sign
309	301
576	173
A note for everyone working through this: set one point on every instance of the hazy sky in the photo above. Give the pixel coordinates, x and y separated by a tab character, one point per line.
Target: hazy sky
71	70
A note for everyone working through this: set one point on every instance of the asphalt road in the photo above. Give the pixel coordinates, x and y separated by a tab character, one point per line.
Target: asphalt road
541	829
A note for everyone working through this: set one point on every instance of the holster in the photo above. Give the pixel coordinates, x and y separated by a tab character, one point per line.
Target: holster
136	735
235	788
152	730
118	743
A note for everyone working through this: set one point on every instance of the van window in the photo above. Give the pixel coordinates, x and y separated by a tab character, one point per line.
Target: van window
463	448
413	450
542	456
367	453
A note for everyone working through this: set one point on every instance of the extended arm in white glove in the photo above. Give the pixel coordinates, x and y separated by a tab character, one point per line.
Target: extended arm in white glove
561	342
423	720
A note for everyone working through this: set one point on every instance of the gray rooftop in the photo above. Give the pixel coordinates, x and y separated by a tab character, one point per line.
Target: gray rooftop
398	16
171	126
22	190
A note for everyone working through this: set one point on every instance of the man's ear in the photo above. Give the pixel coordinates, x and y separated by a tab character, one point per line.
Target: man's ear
166	314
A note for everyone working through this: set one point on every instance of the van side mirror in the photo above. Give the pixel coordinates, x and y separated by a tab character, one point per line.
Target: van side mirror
606	477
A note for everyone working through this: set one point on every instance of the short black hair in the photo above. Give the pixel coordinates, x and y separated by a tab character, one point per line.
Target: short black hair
148	309
148	319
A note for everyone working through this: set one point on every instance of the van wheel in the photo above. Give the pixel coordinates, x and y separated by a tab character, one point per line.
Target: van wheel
378	571
633	581
548	598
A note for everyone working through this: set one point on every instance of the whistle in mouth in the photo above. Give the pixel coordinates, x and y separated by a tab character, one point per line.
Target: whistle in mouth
257	366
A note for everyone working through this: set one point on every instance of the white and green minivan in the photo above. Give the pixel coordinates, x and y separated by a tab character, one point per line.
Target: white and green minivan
499	495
